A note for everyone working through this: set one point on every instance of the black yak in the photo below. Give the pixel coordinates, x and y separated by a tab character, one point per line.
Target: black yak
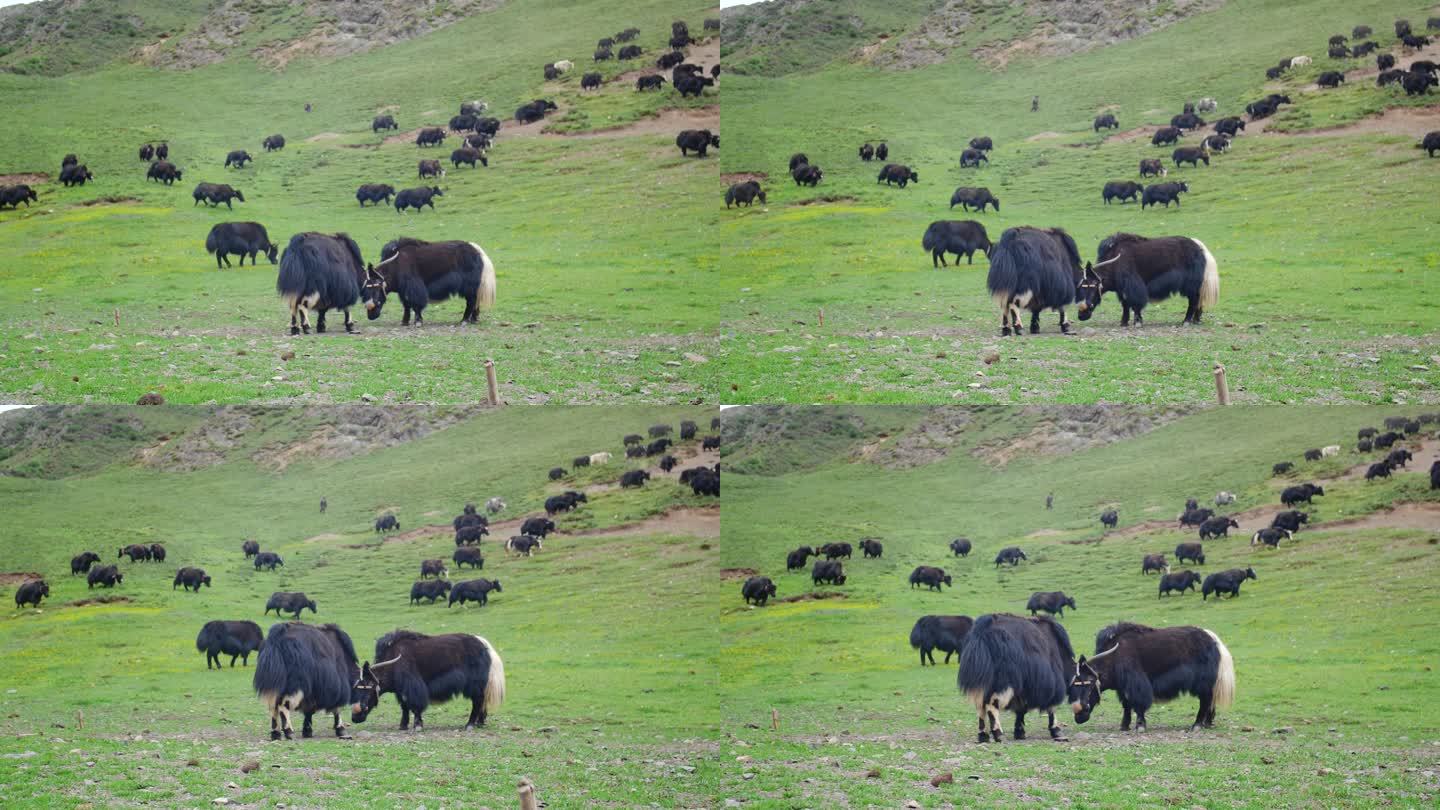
1226	582
1140	270
1017	664
474	590
387	523
468	155
961	237
634	478
468	535
268	560
1165	135
470	556
157	552
867	152
430	168
1218	526
305	668
228	239
524	544
80	563
828	571
273	143
1109	518
1291	520
430	136
1052	602
1181	581
1011	554
163	171
31	592
14	195
1122	190
237	158
1163	193
421	272
235	639
108	576
1190	551
872	549
420	670
960	547
1154	562
971	158
1034	269
431	589
432	568
668	462
376	193
945	633
797	160
417	198
289	602
651	82
147	152
1301	493
1231	126
1152	166
162	151
1194	155
929	576
693	85
1187	121
796	560
1435	475
744	193
320	272
697	141
757	590
983	143
380	122
972	197
216	193
807	175
1380	469
1414	82
835	551
657	447
1105	121
137	552
537	526
1145	664
895	173
464	122
191	578
557	473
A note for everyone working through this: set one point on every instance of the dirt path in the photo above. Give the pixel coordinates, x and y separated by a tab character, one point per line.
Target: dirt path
1425	454
25	178
687	522
1403	516
668	122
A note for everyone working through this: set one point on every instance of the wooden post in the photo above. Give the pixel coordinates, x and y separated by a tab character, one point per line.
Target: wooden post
79	718
774	720
117	316
490	384
527	796
822	316
1222	389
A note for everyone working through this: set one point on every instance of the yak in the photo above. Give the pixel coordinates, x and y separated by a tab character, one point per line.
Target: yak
157	552
420	670
14	195
807	175
228	239
1165	135
1141	270
1218	526
191	578
634	478
961	237
1145	664
1226	582
432	568
872	549
137	552
797	559
468	156
651	82
537	526
1381	469
971	158
1052	602
757	590
422	272
976	198
1301	493
1109	518
417	198
945	633
1018	664
250	547
697	141
1291	520
163	171
1163	193
31	592
109	576
835	551
930	577
827	571
305	668
387	523
268	560
1122	190
430	168
289	602
984	144
80	563
1011	555
523	544
216	193
960	547
693	85
1194	155
895	173
1270	537
376	193
77	175
380	122
668	462
464	122
1152	166
1154	562
1190	551
468	535
1106	121
431	589
147	152
274	143
534	111
238	158
1330	78
1179	581
430	136
236	639
467	555
1231	126
474	590
1034	269
867	152
744	193
320	272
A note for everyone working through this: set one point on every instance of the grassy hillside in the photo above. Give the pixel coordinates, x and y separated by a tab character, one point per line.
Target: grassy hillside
1323	294
591	679
597	302
1333	683
72	36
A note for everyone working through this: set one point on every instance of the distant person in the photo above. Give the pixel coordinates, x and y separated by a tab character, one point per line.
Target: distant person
323	504
1049	501
307	106
1034	105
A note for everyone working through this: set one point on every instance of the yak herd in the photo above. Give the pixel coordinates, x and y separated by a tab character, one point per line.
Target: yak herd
320	272
313	669
1035	269
1026	663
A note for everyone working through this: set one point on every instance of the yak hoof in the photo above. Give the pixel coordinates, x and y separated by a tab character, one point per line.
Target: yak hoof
1064	328
1019	734
350	328
274	735
1005	331
306	328
289	735
983	737
294	330
1140	728
306	733
995	736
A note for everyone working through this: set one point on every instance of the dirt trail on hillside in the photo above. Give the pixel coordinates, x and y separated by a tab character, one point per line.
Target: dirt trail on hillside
669	121
1425	454
24	178
684	522
1402	516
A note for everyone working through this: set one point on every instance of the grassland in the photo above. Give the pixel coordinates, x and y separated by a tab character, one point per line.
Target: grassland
608	704
605	246
1334	642
1326	288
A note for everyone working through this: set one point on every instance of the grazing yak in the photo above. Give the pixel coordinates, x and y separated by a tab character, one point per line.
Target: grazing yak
835	551
469	156
320	272
651	82
1313	454
1106	121
250	547
472	534
31	592
668	462
238	158
944	633
432	568
1011	555
710	443
827	571
807	175
895	173
420	670
797	160
1194	155
1231	126
305	668
567	502
108	576
697	141
630	52
799	558
657	447
1415	84
1219	526
163	171
1190	551
137	552
524	544
693	85
191	578
383	122
1165	135
430	136
1330	78
14	195
289	602
744	194
1193	515
960	547
387	523
1282	468
236	639
464	123
80	563
1146	664
147	152
75	176
1180	581
1034	269
1384	61
268	560
431	168
228	239
882	151
1152	166
1381	469
1109	518
976	198
420	273
467	555
474	590
1388	77
157	552
274	143
961	237
867	152
1163	193
1015	663
1052	602
929	576
1187	121
376	193
1122	190
591	81
417	198
634	478
984	144
1301	493
971	158
872	549
1142	270
534	111
430	589
1154	562
216	193
1226	582
757	590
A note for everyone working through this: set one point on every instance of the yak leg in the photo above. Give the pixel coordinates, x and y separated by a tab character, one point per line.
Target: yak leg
419	721
294	308
469	316
339	727
1005	317
404	715
936	257
477	712
1019	725
308	730
232	661
969	257
274	726
922	656
1125	720
1124	314
1206	715
1034	322
320	323
1054	729
405	321
1139	719
349	323
983	737
1064	324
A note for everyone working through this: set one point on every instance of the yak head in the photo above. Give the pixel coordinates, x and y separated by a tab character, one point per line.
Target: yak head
373	293
1085	687
273	253
1250	572
1089	290
1069	602
365	692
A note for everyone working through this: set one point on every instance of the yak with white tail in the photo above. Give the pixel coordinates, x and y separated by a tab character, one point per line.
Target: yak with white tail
421	272
1140	270
420	669
1147	664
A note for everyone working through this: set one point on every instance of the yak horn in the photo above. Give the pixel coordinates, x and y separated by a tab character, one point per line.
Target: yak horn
379	664
1103	654
1107	261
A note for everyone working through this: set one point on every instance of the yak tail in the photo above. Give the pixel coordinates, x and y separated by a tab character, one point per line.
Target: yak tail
212	243
495	684
1210	284
1224	694
487	280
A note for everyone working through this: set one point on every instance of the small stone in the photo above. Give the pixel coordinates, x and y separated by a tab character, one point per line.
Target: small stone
1284	730
221	800
192	763
1247	728
912	803
1325	771
946	778
696	358
232	786
249	766
1268	760
367	398
747	776
287	356
873	773
991	357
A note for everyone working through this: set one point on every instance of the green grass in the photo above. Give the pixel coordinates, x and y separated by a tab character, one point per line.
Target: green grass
51	39
605	707
1319	648
1325	293
605	247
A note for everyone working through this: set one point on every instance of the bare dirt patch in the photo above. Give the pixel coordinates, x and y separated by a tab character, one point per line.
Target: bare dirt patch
1412	121
24	178
1068	429
813	596
829	198
737	573
18	577
667	122
112	200
1402	516
1044	136
324	538
731	178
682	522
99	600
1045	533
324	136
